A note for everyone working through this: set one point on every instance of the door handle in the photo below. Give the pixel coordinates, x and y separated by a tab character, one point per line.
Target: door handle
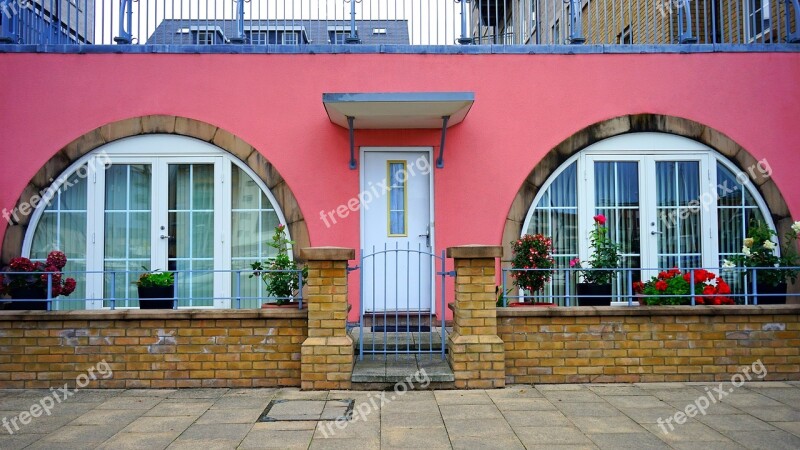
654	232
427	235
164	236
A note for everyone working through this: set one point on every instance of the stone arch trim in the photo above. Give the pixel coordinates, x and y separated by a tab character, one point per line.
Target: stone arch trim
159	124
636	123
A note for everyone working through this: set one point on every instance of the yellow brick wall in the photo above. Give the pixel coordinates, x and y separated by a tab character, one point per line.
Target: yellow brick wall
602	348
167	349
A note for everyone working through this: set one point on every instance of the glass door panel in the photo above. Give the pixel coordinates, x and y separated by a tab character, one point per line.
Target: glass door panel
127	235
678	228
190	231
616	196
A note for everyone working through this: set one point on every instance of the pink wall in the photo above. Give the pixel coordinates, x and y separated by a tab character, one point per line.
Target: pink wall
525	105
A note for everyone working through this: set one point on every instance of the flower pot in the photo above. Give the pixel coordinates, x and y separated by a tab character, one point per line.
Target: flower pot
285	305
27	293
764	288
590	294
532	304
156	297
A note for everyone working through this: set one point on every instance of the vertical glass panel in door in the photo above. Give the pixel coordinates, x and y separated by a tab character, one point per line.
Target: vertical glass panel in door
253	222
678	226
616	196
63	227
190	252
128	212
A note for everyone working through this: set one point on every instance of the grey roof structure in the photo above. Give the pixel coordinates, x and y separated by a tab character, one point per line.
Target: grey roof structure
314	32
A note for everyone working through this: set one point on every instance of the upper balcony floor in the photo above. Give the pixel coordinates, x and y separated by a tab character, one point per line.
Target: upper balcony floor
408	26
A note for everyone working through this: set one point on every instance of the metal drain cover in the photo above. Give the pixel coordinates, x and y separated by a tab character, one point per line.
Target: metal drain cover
304	410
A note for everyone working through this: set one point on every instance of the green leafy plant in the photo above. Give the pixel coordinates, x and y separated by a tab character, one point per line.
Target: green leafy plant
671	287
155	278
605	255
532	252
758	250
279	272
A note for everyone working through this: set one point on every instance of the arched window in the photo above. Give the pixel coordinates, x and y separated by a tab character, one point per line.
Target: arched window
157	202
669	201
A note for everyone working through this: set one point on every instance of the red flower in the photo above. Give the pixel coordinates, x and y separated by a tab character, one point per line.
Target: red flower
700	301
661	285
21	264
709	290
722	287
638	287
69	286
600	219
57	258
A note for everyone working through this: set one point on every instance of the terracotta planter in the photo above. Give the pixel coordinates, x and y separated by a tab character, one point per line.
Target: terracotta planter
156	297
590	294
779	299
27	293
285	305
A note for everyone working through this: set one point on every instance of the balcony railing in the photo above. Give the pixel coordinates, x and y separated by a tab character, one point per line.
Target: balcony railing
191	289
301	23
561	287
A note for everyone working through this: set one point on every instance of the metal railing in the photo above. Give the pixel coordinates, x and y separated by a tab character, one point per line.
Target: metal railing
561	289
397	22
191	289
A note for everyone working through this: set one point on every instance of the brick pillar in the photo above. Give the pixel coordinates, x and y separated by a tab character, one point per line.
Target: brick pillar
475	351
326	360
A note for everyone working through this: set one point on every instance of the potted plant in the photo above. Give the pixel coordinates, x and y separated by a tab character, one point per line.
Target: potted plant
156	290
30	281
279	273
671	287
758	251
595	290
533	264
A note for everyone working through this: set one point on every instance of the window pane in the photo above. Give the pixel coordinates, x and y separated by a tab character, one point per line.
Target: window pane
397	198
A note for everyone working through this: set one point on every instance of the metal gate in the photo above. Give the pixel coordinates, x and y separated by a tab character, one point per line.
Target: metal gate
395	318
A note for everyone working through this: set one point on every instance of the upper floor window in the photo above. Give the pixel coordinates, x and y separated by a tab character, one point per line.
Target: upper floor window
338	36
259	38
757	19
206	37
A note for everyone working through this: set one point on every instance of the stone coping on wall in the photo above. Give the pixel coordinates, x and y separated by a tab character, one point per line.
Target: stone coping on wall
703	310
156	314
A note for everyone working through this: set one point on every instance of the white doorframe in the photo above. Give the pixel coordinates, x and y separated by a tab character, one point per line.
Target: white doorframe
362	219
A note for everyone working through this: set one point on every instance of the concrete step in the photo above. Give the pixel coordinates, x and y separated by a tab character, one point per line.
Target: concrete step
400	319
398	342
385	371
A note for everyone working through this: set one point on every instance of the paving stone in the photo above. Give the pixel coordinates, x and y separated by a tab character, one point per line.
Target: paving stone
81	433
462	398
477	427
536	419
175	425
522	404
470	412
687	432
583	396
117	403
251	393
136	441
551	436
650	415
258	439
735	422
416	407
409	420
429	438
47	445
613	441
620	424
791	427
199	393
658	386
169	408
344	444
635	401
297	410
40	425
514	392
486	443
286	426
563	447
747	398
713	409
238	402
708	445
225	431
687	394
18	441
297	394
560	387
573	409
147	392
205	444
613	389
108	417
789	396
773	440
369	429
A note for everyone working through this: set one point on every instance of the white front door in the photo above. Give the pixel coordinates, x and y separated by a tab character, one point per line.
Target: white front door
397	229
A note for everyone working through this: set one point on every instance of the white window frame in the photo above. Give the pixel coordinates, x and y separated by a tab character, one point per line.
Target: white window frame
154	149
753	31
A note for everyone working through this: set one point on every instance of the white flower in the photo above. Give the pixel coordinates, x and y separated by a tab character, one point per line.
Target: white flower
746	251
769	245
796	227
711	282
748	242
728	264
